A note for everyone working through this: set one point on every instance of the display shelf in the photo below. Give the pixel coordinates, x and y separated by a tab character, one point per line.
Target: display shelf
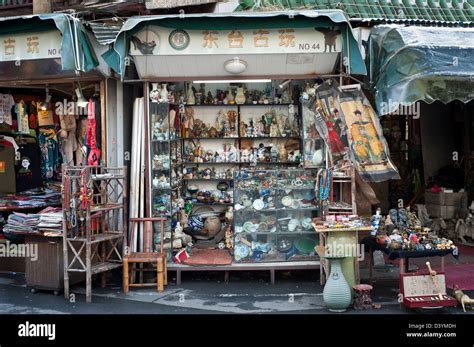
209	138
213	204
289	225
277	232
100	267
270	137
97	239
207	179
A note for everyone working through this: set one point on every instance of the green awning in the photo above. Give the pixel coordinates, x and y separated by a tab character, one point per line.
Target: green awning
115	57
77	53
409	64
432	11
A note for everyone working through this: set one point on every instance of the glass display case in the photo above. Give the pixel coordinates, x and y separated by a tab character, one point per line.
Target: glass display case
165	151
273	215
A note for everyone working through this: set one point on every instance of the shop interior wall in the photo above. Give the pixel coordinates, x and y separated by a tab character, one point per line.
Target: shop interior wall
438	130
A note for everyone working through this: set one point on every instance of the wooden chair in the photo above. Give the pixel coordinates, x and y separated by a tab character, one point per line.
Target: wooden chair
146	257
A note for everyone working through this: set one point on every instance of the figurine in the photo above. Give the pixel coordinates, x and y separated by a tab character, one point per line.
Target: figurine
462	298
282	153
242	128
191	100
232	117
274	132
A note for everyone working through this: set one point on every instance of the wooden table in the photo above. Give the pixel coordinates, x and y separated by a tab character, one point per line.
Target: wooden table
323	237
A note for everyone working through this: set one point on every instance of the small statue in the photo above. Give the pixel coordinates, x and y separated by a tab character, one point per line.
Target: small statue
209	98
282	153
242	128
462	298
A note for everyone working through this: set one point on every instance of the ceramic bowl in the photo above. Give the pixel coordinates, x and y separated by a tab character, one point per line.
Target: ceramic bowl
307	223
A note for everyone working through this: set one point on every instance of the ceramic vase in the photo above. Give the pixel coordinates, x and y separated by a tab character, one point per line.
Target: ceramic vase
230	96
155	93
240	96
164	93
191	100
337	293
347	241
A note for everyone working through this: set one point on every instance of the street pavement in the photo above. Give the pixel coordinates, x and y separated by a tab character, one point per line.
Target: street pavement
297	292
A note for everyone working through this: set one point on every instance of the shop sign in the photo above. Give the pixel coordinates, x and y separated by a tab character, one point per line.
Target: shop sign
43	45
155	40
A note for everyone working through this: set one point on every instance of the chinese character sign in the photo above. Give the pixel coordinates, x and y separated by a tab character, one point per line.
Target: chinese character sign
236	41
30	46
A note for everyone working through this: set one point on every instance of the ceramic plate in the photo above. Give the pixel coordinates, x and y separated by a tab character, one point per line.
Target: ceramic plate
258	204
248	226
287	201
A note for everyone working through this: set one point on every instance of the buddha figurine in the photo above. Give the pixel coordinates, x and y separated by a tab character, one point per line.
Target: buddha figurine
282	153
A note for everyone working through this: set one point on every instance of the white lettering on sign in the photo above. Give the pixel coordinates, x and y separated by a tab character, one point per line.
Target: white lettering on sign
30	46
156	40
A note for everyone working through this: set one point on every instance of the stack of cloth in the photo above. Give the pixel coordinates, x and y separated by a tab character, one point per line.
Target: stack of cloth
51	221
21	223
48	221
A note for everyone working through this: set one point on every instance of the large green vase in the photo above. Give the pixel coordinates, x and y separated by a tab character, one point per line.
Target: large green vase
346	240
337	293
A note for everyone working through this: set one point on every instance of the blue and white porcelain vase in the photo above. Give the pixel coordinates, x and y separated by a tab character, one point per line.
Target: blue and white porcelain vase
337	293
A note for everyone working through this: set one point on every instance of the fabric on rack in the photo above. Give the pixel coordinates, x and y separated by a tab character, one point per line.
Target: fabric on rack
7	169
93	157
33	119
49	155
22	117
6	104
28	169
98	121
68	147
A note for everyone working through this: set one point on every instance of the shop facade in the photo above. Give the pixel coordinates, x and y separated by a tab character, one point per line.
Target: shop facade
231	149
53	115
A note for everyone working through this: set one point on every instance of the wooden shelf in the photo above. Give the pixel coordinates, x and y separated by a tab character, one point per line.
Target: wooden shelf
98	268
101	208
98	238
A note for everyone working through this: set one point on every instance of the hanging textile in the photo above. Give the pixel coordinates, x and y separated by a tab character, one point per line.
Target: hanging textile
68	138
350	128
49	153
6	104
81	150
369	149
94	153
22	117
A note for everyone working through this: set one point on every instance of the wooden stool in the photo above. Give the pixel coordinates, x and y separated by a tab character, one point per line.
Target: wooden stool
362	299
147	257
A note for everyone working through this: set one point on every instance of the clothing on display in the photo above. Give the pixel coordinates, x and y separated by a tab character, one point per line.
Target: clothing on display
6	104
7	169
28	169
93	157
49	154
22	117
68	138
